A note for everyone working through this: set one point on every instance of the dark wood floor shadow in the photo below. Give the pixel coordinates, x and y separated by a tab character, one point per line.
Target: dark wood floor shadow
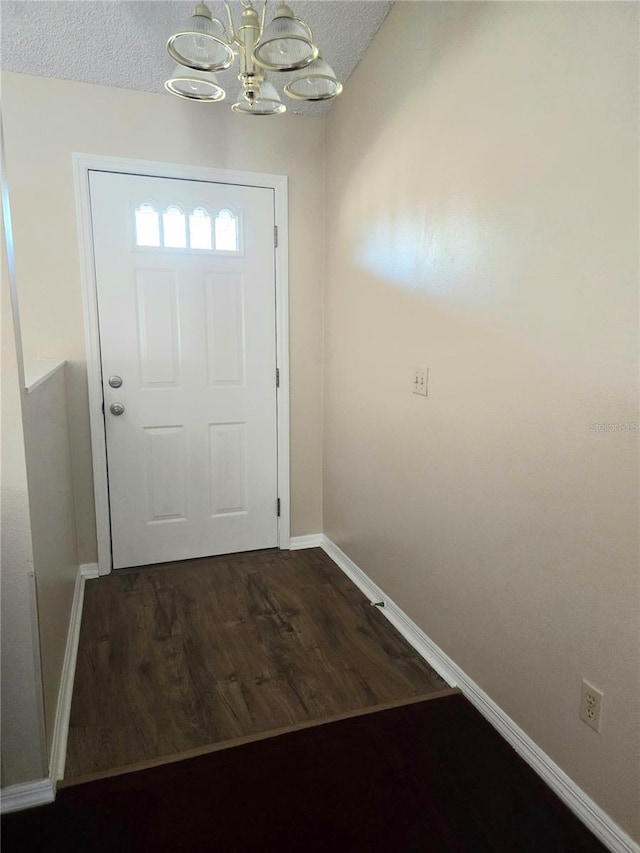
428	777
183	658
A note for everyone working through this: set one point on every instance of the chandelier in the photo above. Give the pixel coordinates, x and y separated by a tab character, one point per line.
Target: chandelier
204	46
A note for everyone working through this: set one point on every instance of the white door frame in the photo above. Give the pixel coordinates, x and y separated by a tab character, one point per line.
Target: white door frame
82	164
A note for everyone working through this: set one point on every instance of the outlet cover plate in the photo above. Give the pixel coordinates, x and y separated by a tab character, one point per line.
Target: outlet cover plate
591	705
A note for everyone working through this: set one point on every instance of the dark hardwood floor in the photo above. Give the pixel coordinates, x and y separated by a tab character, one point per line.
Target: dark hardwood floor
186	656
427	777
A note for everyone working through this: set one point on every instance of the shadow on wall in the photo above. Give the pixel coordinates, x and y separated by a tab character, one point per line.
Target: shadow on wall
470	222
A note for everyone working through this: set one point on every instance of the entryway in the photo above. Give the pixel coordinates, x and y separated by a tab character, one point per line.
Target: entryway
187	336
182	659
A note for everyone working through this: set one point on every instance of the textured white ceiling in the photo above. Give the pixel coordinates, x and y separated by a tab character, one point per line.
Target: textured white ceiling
122	42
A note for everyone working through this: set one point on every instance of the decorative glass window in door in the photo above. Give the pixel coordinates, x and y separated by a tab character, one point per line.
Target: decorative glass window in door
200	229
174	228
147	226
226	231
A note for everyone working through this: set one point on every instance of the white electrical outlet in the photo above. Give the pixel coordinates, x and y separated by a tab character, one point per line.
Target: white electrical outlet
421	381
591	705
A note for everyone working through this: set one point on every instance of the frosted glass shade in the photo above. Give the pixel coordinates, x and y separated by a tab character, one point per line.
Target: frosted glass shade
194	85
268	104
285	44
316	82
202	44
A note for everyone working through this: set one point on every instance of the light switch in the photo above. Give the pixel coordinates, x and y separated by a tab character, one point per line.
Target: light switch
421	381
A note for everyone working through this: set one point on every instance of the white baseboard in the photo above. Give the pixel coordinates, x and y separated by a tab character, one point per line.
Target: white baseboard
14	798
42	791
313	540
598	821
65	693
89	570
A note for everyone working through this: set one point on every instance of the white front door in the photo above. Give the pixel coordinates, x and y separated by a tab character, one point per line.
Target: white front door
186	305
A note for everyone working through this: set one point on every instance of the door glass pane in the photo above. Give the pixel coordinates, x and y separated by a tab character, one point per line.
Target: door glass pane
226	231
147	226
175	232
200	229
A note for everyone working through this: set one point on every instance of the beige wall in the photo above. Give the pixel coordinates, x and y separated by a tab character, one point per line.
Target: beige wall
46	437
486	227
45	121
23	749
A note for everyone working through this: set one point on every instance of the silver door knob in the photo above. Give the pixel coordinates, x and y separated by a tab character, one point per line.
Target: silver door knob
115	381
116	409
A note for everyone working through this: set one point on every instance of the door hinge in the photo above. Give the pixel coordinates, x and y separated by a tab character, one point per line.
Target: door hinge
278	507
275	236
277	377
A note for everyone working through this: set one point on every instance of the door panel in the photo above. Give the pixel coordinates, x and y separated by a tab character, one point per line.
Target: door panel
166	473
192	461
158	332
227	476
224	295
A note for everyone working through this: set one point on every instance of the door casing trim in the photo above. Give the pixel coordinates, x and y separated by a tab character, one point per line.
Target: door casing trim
82	165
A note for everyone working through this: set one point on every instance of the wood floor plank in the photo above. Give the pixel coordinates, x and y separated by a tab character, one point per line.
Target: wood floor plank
181	656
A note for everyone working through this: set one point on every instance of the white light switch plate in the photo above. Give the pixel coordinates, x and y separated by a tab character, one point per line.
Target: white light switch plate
421	381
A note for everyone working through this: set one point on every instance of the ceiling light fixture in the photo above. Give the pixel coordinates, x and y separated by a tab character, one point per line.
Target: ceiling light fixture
204	46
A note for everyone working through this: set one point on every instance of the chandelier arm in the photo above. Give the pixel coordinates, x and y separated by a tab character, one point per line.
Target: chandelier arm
232	30
263	17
